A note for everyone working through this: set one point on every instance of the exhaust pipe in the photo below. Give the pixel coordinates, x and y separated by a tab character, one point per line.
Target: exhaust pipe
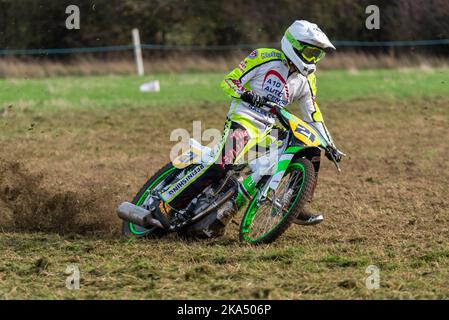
137	215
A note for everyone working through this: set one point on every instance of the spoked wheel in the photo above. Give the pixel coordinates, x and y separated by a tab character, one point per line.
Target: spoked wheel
131	230
265	221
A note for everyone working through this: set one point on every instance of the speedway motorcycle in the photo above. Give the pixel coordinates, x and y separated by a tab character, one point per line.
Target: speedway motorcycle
271	189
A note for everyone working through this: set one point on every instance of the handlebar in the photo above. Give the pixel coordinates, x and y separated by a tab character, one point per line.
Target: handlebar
272	105
276	109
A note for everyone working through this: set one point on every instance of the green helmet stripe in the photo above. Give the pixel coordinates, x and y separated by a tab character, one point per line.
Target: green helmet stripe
295	43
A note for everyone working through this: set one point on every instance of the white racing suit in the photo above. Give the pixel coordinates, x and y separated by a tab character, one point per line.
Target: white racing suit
265	73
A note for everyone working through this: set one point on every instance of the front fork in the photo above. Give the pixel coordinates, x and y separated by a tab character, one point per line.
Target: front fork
248	187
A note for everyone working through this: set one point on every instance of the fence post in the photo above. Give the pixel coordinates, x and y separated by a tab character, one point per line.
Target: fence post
138	52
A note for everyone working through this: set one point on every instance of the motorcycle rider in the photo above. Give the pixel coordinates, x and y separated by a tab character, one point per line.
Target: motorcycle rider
260	77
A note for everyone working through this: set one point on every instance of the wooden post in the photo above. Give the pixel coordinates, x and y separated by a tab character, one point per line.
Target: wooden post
138	52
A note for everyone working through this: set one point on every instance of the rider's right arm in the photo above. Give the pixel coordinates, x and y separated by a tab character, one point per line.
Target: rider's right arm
234	83
237	81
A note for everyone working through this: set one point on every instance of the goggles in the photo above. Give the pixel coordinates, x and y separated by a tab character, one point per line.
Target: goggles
306	52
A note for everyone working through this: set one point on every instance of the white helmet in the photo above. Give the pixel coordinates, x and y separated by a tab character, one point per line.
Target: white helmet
304	44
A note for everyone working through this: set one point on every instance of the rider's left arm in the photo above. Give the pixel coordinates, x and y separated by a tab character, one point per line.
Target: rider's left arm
310	111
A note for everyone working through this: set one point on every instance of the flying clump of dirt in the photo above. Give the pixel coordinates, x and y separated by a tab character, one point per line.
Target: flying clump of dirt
26	204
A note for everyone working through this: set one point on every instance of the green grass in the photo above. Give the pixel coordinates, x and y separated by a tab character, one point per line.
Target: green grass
193	89
379	84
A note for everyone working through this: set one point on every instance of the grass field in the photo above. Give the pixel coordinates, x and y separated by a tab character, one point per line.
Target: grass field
73	148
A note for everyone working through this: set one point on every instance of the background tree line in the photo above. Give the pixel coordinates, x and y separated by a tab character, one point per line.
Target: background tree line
41	23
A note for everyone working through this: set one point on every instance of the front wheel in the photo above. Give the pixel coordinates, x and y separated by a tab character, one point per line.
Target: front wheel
131	230
265	221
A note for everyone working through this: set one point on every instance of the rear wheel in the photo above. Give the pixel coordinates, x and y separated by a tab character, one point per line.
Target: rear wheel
265	222
131	230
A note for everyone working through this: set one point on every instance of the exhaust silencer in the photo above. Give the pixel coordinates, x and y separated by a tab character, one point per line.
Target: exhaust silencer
137	215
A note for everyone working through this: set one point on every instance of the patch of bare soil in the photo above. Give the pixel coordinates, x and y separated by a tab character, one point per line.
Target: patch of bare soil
28	205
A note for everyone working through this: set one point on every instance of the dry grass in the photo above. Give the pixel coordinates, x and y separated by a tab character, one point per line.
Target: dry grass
18	68
177	63
357	61
389	208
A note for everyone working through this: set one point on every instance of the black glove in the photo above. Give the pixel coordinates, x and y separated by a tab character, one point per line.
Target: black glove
333	152
253	99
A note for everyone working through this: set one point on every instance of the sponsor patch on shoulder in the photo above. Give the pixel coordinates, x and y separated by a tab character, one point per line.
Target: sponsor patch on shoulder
271	54
253	54
242	66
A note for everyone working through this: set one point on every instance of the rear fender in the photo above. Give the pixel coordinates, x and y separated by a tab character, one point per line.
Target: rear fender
196	154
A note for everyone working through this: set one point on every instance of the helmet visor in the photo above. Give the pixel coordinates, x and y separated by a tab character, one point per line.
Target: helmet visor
306	52
312	54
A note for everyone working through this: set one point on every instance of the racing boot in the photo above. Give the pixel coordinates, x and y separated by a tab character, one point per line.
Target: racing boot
163	213
167	215
307	218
